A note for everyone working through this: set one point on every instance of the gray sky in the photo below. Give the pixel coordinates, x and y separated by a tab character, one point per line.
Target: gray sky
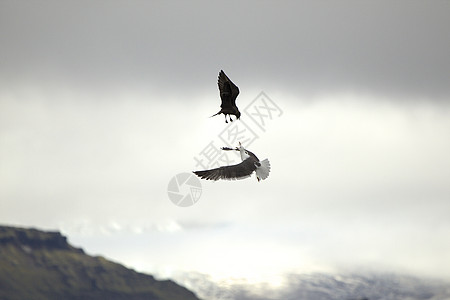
101	104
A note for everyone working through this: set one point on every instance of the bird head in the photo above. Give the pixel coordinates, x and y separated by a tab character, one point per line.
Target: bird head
244	153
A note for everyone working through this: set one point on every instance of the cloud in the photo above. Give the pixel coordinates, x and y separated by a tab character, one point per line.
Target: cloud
347	174
384	48
101	105
354	285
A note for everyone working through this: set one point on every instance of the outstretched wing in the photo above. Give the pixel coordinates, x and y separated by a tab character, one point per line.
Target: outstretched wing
233	172
228	91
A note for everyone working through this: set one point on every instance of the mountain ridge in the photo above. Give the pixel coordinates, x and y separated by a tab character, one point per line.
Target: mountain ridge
37	264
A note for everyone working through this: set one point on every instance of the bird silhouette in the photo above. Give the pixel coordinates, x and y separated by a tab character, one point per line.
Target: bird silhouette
250	163
228	94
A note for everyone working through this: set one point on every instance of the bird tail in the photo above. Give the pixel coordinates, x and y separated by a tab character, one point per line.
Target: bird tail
262	172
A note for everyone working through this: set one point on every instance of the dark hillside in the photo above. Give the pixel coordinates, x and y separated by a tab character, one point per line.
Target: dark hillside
42	265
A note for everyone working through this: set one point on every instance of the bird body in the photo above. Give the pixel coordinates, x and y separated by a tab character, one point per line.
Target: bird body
250	163
228	94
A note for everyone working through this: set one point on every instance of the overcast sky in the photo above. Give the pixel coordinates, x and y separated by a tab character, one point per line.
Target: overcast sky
102	104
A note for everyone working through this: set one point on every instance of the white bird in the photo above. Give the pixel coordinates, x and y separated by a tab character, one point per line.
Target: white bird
250	163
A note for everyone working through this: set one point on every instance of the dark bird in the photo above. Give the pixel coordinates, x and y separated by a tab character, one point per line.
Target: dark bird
250	163
228	93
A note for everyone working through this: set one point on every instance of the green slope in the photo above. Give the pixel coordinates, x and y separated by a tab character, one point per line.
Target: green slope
42	265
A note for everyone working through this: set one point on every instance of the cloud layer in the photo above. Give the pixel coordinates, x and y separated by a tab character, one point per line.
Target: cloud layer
101	104
380	48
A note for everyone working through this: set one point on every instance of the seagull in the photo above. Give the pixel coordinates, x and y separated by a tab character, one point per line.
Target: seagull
250	163
228	93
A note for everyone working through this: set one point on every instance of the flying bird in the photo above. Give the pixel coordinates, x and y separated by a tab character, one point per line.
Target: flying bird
250	163
228	93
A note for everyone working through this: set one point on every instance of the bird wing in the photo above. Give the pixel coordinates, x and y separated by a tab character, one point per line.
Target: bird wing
233	172
228	90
